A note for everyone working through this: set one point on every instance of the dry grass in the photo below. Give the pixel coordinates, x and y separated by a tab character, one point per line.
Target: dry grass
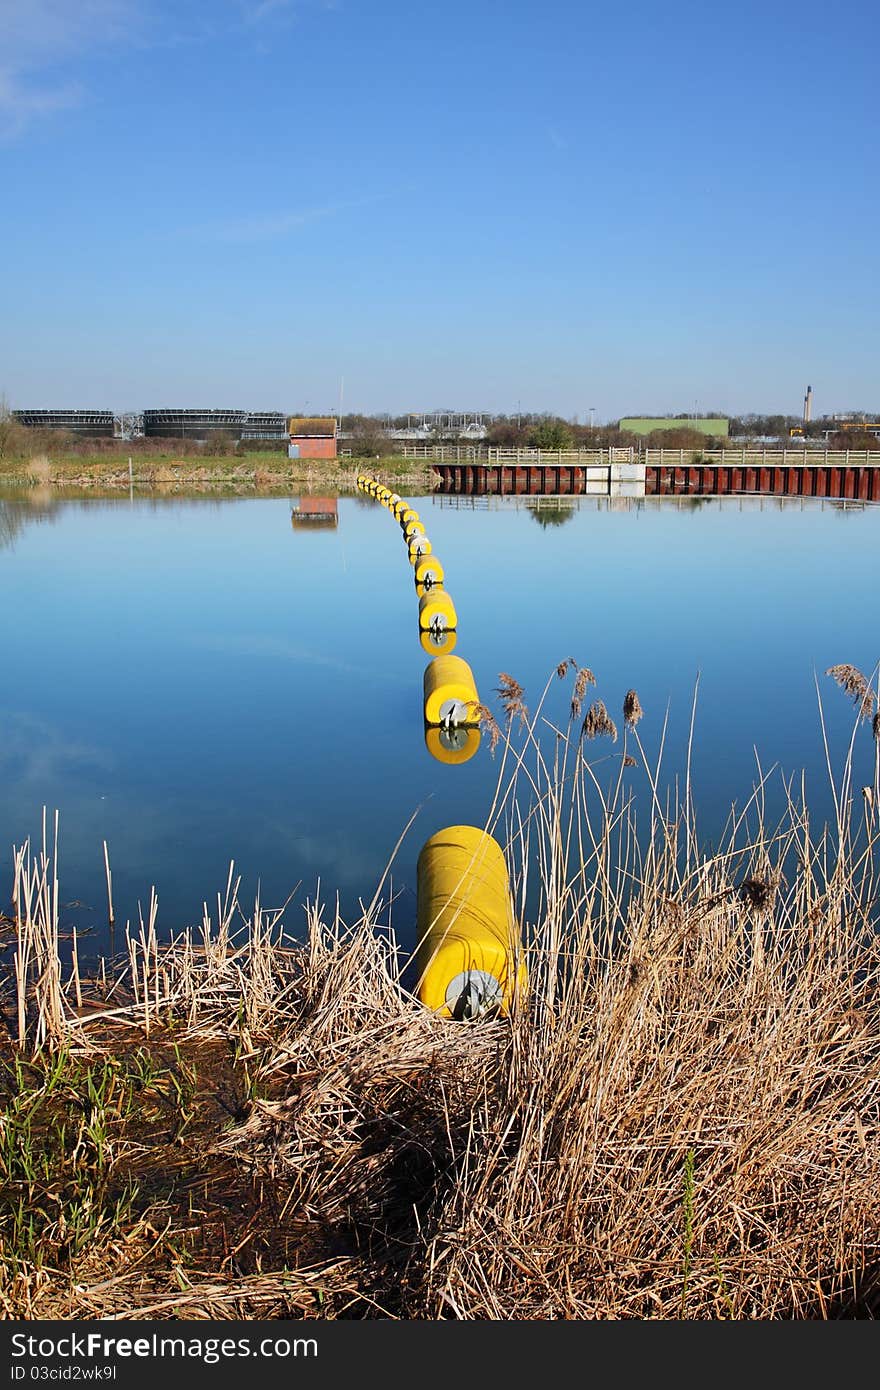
681	1119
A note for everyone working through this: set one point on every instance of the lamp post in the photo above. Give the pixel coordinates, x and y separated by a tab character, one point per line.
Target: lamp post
592	413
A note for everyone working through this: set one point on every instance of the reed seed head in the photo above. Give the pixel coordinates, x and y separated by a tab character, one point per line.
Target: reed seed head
598	722
850	679
632	709
511	693
489	724
585	677
757	894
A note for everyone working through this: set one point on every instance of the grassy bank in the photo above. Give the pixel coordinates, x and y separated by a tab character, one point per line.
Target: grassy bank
680	1120
170	472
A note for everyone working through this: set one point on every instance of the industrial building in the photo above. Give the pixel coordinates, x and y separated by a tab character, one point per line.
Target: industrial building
192	424
91	423
646	424
265	424
199	424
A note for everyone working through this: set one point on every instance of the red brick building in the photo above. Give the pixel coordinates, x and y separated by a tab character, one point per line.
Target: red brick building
312	437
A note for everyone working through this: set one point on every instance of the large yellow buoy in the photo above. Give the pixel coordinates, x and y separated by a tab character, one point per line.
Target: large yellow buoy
452	745
468	960
450	692
400	506
428	571
413	529
419	545
408	514
437	611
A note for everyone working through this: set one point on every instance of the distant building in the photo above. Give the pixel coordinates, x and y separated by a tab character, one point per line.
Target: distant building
646	424
92	423
312	437
192	424
200	424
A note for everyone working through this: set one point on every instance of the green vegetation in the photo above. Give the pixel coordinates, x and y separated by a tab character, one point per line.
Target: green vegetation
680	1118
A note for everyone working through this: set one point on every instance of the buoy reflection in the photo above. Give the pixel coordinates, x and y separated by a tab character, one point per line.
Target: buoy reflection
453	745
437	643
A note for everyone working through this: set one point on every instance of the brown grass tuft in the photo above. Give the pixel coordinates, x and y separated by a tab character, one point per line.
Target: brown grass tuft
757	894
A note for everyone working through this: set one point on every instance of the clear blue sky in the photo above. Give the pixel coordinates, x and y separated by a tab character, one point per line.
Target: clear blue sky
480	205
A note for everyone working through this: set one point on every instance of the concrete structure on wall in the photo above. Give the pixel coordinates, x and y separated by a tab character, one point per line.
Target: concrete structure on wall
312	437
646	424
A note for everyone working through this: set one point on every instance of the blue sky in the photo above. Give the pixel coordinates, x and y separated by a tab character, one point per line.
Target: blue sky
270	204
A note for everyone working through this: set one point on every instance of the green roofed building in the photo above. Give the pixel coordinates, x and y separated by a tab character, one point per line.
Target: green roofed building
646	424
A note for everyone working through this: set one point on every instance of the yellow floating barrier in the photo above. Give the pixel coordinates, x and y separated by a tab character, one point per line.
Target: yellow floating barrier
452	745
437	611
428	572
468	958
408	514
400	506
419	545
450	692
413	529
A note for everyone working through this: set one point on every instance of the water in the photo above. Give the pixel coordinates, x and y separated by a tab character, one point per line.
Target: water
202	680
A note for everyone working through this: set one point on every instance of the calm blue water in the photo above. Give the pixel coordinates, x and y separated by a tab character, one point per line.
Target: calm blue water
197	680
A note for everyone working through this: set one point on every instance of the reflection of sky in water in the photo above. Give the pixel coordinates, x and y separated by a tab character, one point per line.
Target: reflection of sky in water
196	681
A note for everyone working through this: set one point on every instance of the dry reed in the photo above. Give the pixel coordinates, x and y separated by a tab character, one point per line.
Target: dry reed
681	1118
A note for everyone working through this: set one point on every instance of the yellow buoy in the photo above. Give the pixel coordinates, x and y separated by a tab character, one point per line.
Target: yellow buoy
452	745
468	959
428	571
408	514
419	545
438	643
437	611
450	692
413	529
400	506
